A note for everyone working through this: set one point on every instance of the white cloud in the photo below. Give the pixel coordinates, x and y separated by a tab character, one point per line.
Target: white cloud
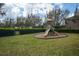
40	8
32	8
23	9
15	11
71	14
59	5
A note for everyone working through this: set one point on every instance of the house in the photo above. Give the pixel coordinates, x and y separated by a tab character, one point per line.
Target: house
73	22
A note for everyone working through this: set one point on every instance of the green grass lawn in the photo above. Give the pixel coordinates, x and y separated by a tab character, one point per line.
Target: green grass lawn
28	45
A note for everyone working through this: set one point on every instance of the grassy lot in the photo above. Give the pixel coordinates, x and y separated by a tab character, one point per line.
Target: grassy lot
28	45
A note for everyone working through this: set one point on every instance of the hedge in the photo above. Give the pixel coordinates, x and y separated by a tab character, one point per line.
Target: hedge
36	30
33	30
68	31
7	32
12	31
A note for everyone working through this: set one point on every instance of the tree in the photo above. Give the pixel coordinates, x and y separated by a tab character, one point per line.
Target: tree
5	13
32	21
1	12
20	22
55	17
58	15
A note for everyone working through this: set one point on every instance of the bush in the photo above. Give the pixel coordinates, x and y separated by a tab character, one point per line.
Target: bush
68	31
31	30
36	30
6	32
12	31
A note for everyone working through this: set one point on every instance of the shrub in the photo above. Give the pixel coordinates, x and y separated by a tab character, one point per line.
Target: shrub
31	30
7	31
12	31
68	31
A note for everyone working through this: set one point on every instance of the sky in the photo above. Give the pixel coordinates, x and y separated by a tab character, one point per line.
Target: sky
38	9
71	7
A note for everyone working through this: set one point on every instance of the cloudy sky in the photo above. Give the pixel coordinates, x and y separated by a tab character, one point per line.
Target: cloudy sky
39	9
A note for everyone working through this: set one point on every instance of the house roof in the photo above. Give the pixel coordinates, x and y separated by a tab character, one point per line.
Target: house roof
73	18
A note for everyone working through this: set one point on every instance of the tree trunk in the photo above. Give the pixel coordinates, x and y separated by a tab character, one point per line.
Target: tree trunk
48	33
